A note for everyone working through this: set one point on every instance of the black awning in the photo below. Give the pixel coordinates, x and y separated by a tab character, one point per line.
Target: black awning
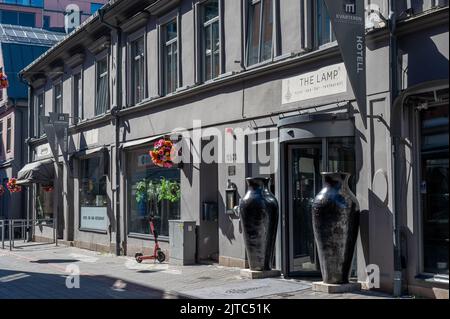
37	173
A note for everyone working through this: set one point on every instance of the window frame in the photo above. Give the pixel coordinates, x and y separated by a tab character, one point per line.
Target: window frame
132	38
37	122
77	109
315	28
56	84
99	58
246	13
9	134
2	153
162	23
200	45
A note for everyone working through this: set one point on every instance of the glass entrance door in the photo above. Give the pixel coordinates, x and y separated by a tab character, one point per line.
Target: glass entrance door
305	182
306	162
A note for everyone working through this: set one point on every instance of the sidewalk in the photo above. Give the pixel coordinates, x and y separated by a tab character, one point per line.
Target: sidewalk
37	271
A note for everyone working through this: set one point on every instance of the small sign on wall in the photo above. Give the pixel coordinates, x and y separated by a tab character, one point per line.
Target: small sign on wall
94	218
326	81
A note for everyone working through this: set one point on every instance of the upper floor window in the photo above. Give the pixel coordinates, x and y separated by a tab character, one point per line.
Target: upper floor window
1	139
1	90
102	86
210	40
28	3
78	111
170	51
138	70
323	29
8	134
26	19
95	7
58	98
40	111
259	31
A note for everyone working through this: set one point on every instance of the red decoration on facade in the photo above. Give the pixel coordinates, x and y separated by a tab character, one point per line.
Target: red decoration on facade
13	187
163	154
48	189
3	81
2	190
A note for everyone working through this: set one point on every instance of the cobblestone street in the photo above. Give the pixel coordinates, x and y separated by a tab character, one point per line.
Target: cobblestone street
36	271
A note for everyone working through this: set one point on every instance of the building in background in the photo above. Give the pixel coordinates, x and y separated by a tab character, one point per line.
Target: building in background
46	14
19	46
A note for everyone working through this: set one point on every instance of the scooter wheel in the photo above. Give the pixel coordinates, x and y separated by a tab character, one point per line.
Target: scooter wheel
161	256
138	257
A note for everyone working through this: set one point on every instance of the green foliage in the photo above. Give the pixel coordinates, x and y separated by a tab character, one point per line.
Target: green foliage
158	191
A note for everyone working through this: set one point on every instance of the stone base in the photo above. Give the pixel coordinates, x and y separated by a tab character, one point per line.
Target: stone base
336	289
252	274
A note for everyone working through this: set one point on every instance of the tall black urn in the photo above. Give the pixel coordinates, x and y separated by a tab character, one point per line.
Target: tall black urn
335	216
259	217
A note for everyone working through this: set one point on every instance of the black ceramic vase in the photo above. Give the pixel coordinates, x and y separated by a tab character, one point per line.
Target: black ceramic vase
259	217
335	216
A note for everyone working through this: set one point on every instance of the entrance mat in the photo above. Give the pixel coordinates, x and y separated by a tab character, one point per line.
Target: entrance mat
249	289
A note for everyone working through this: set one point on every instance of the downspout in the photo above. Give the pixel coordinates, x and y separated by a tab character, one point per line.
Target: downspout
115	112
29	154
393	83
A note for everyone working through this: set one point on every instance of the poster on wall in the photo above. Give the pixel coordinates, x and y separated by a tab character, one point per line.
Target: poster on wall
94	218
348	21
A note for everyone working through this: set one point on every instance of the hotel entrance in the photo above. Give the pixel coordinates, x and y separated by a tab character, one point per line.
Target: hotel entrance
305	159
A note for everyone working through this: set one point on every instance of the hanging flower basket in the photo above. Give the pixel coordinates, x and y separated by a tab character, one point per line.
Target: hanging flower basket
13	187
2	190
163	154
3	81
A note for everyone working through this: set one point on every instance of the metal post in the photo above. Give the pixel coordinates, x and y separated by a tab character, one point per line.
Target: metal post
3	234
10	235
55	237
23	232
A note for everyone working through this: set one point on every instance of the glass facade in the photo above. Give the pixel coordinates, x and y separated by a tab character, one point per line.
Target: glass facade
26	19
143	201
44	203
434	188
28	3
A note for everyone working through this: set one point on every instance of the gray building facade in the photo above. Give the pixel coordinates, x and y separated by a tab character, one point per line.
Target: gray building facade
270	71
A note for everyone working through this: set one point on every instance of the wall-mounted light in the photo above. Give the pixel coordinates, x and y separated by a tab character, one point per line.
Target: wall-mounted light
231	198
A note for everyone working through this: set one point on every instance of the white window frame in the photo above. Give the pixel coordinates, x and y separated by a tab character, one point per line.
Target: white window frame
315	24
200	41
37	122
142	33
9	135
246	11
102	56
162	23
77	109
55	84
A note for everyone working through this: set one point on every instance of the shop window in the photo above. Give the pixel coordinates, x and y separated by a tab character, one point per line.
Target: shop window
210	39
323	29
40	111
44	203
143	200
58	98
93	194
138	70
170	64
102	99
434	188
259	31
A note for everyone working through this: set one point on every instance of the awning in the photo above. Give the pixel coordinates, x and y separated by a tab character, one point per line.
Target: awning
42	172
141	142
91	151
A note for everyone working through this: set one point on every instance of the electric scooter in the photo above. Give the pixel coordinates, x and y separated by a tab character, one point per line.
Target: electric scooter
158	254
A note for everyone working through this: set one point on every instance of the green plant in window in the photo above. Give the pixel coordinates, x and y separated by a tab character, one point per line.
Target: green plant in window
169	190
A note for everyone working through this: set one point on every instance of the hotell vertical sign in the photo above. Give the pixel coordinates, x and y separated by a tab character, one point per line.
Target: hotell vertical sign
348	20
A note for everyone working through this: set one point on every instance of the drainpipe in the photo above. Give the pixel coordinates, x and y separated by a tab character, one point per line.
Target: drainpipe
29	152
115	112
393	83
